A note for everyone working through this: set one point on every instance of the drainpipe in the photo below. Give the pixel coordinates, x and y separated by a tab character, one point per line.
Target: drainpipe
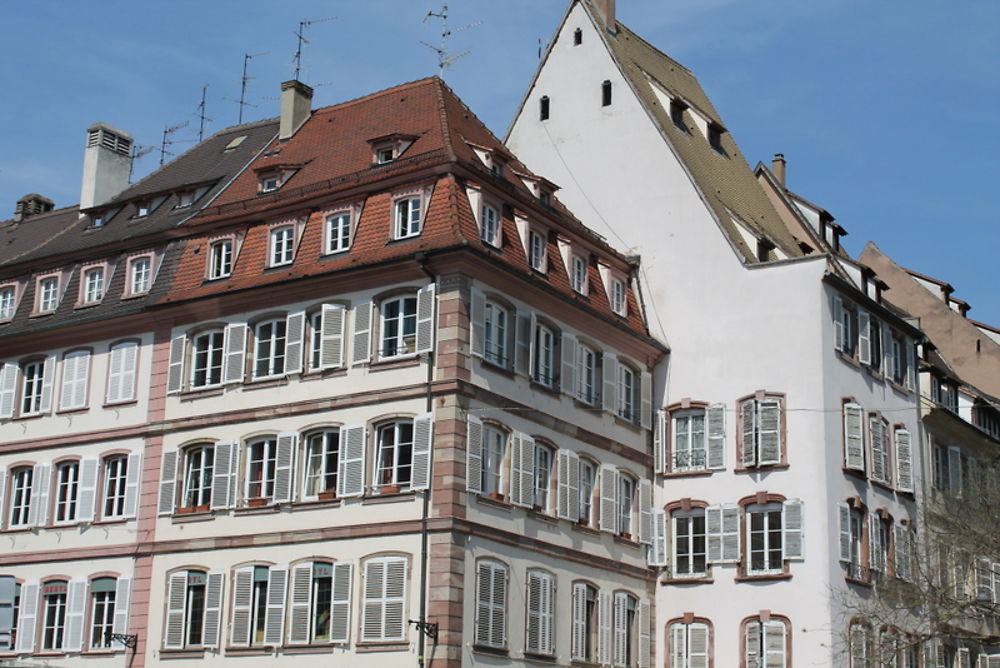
421	259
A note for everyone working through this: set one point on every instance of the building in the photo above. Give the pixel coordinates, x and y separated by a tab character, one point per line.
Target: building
787	477
347	383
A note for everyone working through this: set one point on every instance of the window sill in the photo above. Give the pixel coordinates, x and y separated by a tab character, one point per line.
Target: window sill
181	517
883	485
763	468
325	648
495	503
317	503
28	416
583	663
265	383
84	307
619	420
49	654
688	474
694	579
586	405
859	582
322	374
497	368
622	540
182	653
120	404
763	577
393	497
269	508
73	411
900	388
203	392
542	387
586	528
492	651
542	516
539	658
111	521
389	646
101	652
250	651
400	362
849	359
855	473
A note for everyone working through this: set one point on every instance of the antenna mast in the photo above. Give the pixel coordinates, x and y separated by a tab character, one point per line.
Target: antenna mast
168	142
201	114
444	60
243	83
301	35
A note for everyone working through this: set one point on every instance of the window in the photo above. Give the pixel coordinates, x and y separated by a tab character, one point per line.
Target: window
395	454
261	468
626	391
75	374
537	251
852	532
20	496
624	628
115	480
54	610
761	431
542	475
619	300
948	469
878	430
67	490
220	259
858	640
496	334
32	387
845	325
869	340
896	362
542	371
689	645
854	448
407	217
540	627
588	474
48	294
494	456
584	638
326	337
624	504
121	372
689	544
93	285
577	37
586	375
491	604
282	245
764	534
268	184
141	209
194	601
689	446
102	612
766	643
399	326
7	303
320	603
384	155
269	359
198	465
206	359
322	454
140	275
578	274
606	94
715	139
879	542
384	591
543	108
185	199
677	115
338	232
490	225
250	624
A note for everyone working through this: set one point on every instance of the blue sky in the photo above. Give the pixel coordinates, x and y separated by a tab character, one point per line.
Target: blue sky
887	112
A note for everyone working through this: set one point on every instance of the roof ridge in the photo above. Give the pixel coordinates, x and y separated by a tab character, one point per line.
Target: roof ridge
439	91
365	98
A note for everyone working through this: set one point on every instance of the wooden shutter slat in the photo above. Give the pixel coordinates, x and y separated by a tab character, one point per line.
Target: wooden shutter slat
331	347
295	325
168	482
340	611
234	345
423	448
351	476
361	344
715	416
284	459
211	631
123	596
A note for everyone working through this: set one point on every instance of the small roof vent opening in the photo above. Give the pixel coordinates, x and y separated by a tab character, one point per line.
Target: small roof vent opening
32	205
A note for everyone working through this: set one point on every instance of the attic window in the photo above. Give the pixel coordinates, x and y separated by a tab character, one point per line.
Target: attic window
545	197
543	108
764	248
234	143
606	94
268	184
496	169
185	199
677	115
97	220
715	139
577	37
384	155
141	209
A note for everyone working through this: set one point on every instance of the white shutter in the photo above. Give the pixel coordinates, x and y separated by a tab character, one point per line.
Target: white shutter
299	621
984	579
609	397
87	496
76	607
875	548
133	474
844	523
792	528
395	591
730	533
774	644
8	389
234	344
423	446
361	347
578	639
904	461
48	380
340	612
678	646
645	644
168	482
838	322
484	600
41	479
522	474
123	597
604	627
351	478
242	603
964	658
173	634
122	369
889	369
877	436
3	481
955	470
660	443
522	351
657	553
538	629
425	319
864	338
713	533
175	370
295	324
75	371
620	623
645	398
274	619
996	582
645	512
26	618
569	349
284	460
477	321
568	492
854	452
752	644
697	645
331	346
373	610
911	365
748	421
716	419
903	558
769	430
223	478
474	455
609	499
211	631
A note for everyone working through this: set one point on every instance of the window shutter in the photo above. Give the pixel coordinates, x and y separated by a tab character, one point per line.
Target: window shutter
854	453
903	561
133	474
361	347
121	371
984	580
477	321
87	496
646	398
38	510
657	553
604	627
875	549
659	442
213	610
730	532
175	370
284	459
890	354
569	350
123	596
235	342
844	522
548	614
168	482
619	654
769	429
748	420
645	512
716	418
904	461
3	481
223	478
609	501
76	606
955	470
522	348
484	600
645	645
793	530
964	658
578	640
173	635
474	455
610	375
331	347
568	505
425	319
911	365
242	602
752	644
838	324
8	389
340	612
298	616
75	369
678	646
423	446
875	429
698	646
864	338
351	478
26	618
274	620
996	582
48	379
295	324
395	591
774	644
522	474
713	533
533	614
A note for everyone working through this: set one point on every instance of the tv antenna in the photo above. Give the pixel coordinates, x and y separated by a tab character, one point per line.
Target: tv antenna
201	114
301	34
169	142
444	60
243	84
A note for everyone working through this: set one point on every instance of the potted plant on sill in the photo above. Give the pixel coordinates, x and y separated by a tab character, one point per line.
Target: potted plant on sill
388	489
257	502
327	495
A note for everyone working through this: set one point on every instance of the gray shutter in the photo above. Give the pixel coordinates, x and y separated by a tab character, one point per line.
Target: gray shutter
657	553
955	470
295	324
793	530
274	619
644	635
888	369
659	442
568	485
234	344
568	351
133	474
618	656
752	643
610	376
121	372
168	482
27	618
331	349
877	437
87	496
522	348
211	631
854	449
284	465
48	380
361	348
76	607
911	364
838	322
904	461
730	533
3	481
423	446
425	319
903	553
578	639
8	389
769	430
351	477
645	512
222	474
774	644
522	476
604	621
340	614
477	322
713	533
75	370
173	634
844	523
242	602
864	337
175	370
609	499
716	427
123	597
298	615
748	422
474	455
645	398
41	480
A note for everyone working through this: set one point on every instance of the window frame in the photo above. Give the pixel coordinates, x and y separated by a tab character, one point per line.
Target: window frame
386	474
407	216
338	231
497	333
588	375
762	655
221	258
626	504
320	440
270	348
491	617
213	348
8	301
543	369
494	475
104	601
538	253
281	245
543	468
579	274
689	623
768	532
618	297
133	286
261	466
491	224
22	484
759	399
587	491
92	290
114	485
32	387
404	322
66	491
47	289
199	460
385	599
53	616
628	392
691	536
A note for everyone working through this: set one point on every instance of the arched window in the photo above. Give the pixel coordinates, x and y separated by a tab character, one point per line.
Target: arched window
55	595
384	590
394	449
194	605
321	457
261	468
198	474
21	479
766	642
102	611
320	604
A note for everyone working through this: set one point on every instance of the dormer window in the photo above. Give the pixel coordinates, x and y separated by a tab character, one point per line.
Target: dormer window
93	285
490	225
48	294
388	148
619	300
496	169
407	222
578	274
545	197
384	155
220	259
269	184
140	275
677	109
141	209
715	139
282	245
97	220
537	251
8	294
185	199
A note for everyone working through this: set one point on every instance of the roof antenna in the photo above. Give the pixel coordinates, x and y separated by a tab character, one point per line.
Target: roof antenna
168	142
243	84
297	59
201	114
444	60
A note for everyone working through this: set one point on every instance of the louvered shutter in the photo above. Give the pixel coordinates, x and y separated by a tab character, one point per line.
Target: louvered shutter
620	623
425	319
234	344
26	618
609	499
295	325
123	597
522	474
298	614
774	644
844	523
889	369
48	380
423	446
854	453
75	371
748	422
678	646
955	470
752	644
3	484
351	474
284	459
474	455
716	418
657	553
604	627
274	619
793	529
904	461
522	348
645	512
984	579
964	658
176	598
121	372
645	644
498	606
838	322
223	478
395	592
578	639
903	560
911	365
175	370
533	622
875	549
477	321
8	389
211	631
548	614
242	602
133	474
713	533
168	482
660	443
361	345
87	495
76	606
645	399
41	480
331	346
864	338
697	646
877	435
568	502
730	533
340	610
484	600
769	431
609	397
996	582
569	349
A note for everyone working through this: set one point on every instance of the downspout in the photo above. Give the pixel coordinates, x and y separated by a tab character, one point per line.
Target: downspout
421	259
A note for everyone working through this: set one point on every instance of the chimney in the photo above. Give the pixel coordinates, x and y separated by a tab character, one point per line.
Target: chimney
778	167
606	12
296	99
107	164
32	205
